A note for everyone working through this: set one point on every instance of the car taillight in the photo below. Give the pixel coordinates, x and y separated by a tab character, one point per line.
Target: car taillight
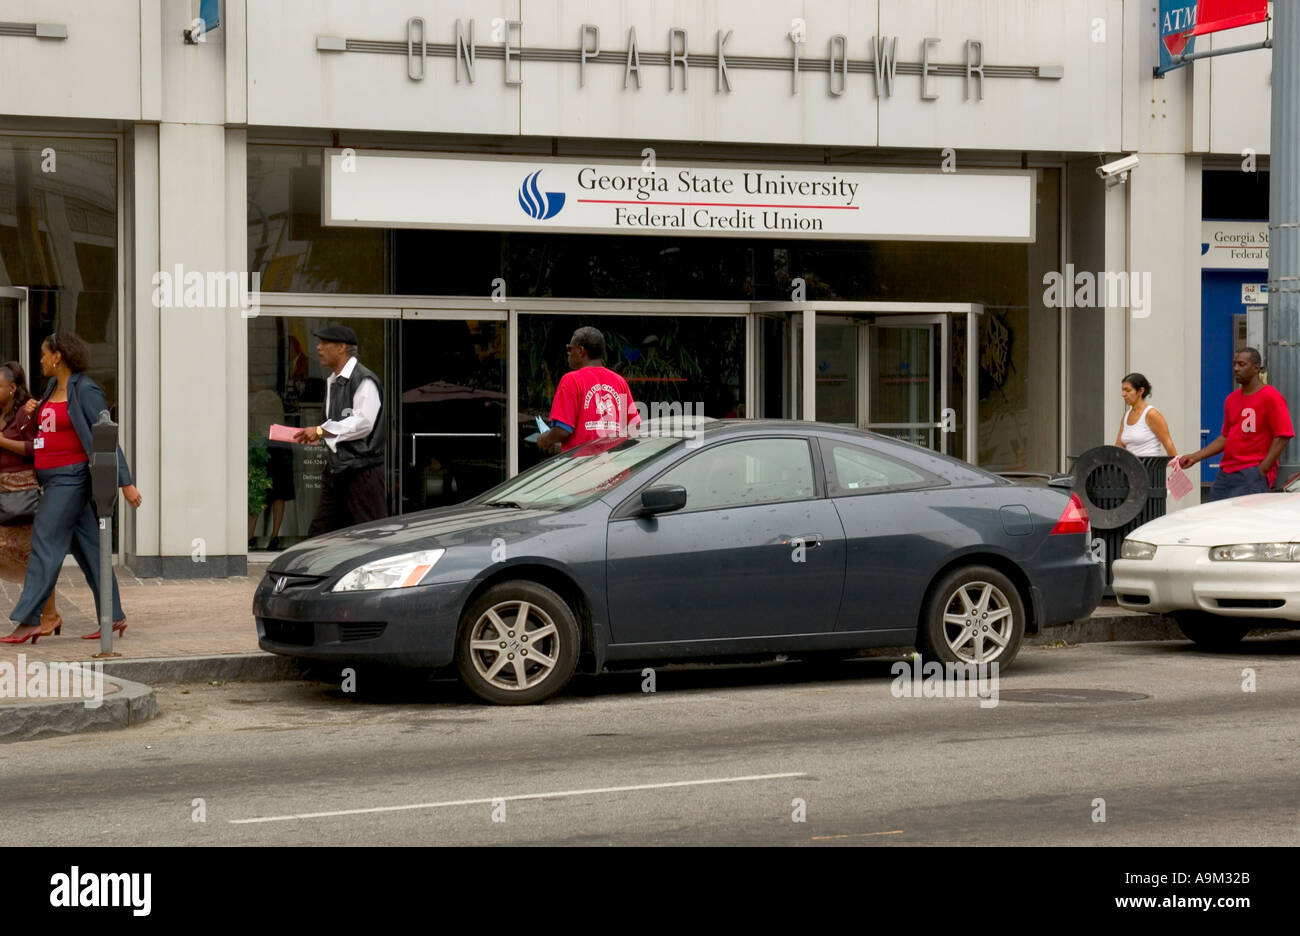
1074	519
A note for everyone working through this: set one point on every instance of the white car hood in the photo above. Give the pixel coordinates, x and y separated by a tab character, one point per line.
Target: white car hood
1255	518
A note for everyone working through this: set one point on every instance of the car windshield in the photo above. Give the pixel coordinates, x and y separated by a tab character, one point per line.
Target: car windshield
579	475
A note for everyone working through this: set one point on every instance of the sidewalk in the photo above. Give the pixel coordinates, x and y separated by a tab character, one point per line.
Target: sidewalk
164	618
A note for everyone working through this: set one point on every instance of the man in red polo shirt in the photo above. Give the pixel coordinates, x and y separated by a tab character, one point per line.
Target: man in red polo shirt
591	402
1256	428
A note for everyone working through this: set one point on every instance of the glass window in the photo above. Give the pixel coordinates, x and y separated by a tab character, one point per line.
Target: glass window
855	470
287	243
739	474
58	237
286	386
669	363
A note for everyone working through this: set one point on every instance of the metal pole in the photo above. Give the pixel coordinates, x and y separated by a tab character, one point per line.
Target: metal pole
106	586
1183	58
1282	329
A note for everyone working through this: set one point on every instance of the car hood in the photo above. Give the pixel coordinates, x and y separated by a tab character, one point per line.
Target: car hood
445	526
1256	518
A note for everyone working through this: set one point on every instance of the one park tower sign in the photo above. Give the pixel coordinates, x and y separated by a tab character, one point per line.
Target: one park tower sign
880	58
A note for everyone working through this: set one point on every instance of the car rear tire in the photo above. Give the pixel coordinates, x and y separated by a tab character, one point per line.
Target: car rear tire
1209	631
972	615
518	644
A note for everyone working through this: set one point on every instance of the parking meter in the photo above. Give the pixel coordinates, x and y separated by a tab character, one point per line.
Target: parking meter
103	487
103	465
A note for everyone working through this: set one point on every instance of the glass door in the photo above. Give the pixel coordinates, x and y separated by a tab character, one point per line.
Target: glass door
907	378
452	403
13	328
837	380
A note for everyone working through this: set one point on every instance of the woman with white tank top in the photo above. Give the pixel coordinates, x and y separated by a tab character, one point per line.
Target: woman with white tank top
1143	431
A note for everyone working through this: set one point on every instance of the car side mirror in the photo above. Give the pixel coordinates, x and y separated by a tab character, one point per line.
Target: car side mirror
663	498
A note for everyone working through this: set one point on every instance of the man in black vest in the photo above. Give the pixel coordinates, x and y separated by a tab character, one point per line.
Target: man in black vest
352	482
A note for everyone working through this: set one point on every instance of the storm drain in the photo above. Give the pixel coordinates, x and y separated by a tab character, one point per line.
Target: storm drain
1068	695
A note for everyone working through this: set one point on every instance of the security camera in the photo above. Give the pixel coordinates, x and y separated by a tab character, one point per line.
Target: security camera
1115	171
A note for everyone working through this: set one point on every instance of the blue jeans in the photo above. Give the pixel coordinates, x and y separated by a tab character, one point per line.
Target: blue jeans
1237	483
65	522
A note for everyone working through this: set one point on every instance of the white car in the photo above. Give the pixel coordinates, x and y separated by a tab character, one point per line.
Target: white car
1219	569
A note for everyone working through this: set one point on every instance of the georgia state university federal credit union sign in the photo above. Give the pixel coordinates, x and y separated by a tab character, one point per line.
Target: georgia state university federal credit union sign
375	188
506	46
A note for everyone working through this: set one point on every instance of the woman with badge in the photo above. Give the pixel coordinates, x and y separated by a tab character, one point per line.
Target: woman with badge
65	521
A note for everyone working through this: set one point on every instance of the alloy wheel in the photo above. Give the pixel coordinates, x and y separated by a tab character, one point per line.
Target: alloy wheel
514	645
978	622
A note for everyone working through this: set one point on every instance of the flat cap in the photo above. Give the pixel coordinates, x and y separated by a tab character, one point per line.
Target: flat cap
339	333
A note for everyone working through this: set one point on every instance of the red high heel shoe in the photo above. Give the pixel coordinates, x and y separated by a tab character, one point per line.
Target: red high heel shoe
119	628
31	635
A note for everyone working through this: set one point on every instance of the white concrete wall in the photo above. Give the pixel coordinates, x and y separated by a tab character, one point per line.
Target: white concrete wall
95	72
293	84
1239	91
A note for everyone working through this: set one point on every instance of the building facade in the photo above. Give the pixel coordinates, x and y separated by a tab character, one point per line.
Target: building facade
884	213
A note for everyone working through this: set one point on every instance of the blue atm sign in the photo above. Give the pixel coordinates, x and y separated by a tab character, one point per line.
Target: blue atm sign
1177	20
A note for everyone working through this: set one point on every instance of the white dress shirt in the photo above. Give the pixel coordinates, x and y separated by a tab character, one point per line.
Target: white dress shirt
365	409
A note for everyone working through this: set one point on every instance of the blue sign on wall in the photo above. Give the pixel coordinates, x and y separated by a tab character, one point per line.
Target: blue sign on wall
209	12
1177	18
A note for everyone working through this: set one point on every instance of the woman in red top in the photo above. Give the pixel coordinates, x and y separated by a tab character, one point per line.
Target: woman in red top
17	430
65	522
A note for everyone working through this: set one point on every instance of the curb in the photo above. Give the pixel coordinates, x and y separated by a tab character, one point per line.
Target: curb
131	704
1111	627
229	667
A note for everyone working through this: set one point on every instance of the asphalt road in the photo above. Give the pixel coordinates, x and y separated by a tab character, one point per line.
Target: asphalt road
719	756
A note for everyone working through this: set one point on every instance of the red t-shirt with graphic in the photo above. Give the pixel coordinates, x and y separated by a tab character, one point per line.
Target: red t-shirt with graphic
57	443
1250	424
594	403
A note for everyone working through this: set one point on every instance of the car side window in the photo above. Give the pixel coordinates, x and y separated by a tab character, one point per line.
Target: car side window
855	470
739	474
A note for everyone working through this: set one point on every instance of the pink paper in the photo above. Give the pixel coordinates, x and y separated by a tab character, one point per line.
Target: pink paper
280	433
1179	484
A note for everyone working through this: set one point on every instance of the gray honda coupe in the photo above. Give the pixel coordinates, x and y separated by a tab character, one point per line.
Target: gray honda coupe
748	538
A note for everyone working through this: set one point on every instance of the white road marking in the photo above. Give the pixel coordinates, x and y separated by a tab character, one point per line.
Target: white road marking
490	800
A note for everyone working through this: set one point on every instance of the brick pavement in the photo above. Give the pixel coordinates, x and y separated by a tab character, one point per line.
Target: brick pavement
164	618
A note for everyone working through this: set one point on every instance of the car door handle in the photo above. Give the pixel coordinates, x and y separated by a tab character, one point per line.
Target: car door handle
810	540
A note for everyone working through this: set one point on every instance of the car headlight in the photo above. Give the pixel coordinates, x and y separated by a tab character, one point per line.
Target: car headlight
402	571
1257	552
1136	549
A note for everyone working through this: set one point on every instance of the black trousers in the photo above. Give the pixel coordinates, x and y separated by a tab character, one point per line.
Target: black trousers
348	498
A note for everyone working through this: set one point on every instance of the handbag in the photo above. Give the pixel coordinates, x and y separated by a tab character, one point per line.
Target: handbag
19	506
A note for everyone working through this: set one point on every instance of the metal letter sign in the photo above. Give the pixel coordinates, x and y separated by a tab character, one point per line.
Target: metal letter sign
1177	19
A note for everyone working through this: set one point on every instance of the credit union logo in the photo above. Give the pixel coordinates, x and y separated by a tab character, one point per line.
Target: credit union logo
537	204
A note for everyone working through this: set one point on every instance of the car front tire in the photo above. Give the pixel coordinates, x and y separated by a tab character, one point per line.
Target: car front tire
518	644
972	615
1209	631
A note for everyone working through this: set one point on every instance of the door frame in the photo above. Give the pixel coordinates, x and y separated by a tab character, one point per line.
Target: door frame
899	313
324	305
461	308
24	325
941	367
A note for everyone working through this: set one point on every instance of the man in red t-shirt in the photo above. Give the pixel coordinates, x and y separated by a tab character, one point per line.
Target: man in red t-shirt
1256	428
591	402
